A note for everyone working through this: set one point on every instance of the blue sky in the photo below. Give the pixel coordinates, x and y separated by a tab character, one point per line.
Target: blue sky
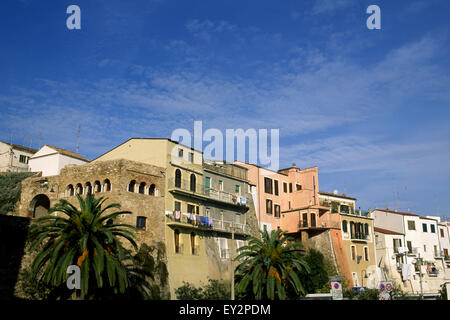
369	107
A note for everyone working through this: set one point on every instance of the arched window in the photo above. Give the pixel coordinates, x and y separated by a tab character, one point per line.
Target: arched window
193	247
131	186
151	190
344	226
366	229
178	178
142	188
177	241
97	187
106	185
352	230
193	183
70	191
79	189
87	188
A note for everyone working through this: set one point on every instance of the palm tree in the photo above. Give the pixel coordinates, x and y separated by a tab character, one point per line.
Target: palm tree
88	238
270	267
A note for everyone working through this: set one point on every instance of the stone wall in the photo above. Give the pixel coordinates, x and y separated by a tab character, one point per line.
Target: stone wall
119	173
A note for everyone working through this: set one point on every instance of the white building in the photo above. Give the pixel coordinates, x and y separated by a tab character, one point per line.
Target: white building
14	158
418	258
50	160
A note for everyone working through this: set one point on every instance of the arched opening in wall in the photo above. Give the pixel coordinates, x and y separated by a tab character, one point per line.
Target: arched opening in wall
39	206
151	190
193	182
70	191
352	230
106	185
178	178
79	189
131	185
366	230
97	187
142	188
87	188
344	226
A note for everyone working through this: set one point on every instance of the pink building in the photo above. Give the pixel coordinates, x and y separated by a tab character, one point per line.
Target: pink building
287	199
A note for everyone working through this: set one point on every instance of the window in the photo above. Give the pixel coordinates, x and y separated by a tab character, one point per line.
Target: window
290	187
193	182
140	223
220	185
141	188
424	248
344	226
106	185
424	227
305	219
23	159
268	206
411	225
207	182
190	208
432	229
194	249
353	252
178	178
177	206
289	204
397	244
191	157
237	189
442	232
180	153
277	210
285	187
222	245
366	254
298	187
178	247
313	219
409	245
70	190
268	185
276	187
97	187
131	186
435	251
151	190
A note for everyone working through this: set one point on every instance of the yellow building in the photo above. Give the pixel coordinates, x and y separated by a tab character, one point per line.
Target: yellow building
355	243
206	205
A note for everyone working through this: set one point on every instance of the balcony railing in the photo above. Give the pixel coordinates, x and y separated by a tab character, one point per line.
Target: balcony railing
359	236
208	223
201	190
412	251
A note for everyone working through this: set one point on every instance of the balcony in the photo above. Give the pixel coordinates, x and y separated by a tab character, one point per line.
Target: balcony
201	192
206	223
412	251
359	237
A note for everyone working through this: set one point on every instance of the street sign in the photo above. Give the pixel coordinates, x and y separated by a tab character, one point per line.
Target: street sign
336	291
385	286
335	278
385	296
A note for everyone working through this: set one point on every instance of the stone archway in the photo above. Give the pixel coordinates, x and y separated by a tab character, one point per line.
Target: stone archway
39	206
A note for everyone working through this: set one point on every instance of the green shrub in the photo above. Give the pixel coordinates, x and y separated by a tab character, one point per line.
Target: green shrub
214	290
10	188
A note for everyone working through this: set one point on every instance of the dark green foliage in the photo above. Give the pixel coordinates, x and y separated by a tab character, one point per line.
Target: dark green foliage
317	278
214	290
368	294
270	268
10	188
85	239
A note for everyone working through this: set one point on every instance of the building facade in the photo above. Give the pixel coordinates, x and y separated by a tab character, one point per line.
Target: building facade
208	209
418	259
14	158
49	160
